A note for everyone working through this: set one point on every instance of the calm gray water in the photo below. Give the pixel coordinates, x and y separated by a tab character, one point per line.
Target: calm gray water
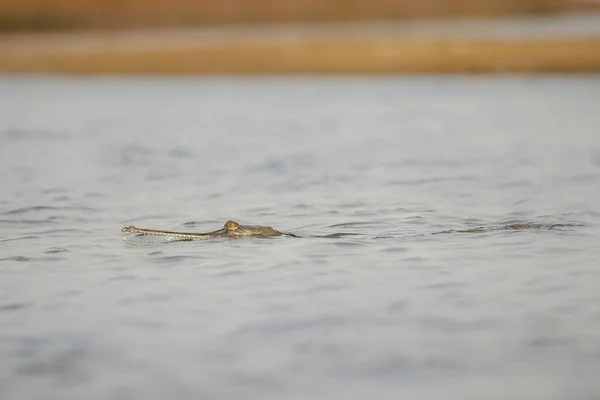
394	313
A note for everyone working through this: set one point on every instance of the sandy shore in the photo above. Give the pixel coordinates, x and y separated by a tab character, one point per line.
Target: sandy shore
565	44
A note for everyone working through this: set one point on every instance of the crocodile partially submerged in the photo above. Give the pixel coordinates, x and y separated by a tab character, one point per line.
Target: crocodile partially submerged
231	229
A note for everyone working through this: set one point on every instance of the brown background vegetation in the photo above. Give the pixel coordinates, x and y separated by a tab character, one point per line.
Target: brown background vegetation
19	15
541	56
103	52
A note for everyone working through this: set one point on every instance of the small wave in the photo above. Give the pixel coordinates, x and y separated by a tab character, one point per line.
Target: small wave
30	209
19	238
15	258
193	224
53	250
174	259
123	278
71	207
354	224
65	230
13	306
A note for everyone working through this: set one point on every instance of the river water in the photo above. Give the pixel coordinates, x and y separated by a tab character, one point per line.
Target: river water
394	312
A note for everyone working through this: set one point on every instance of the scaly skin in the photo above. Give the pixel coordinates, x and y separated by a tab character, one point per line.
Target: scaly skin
231	229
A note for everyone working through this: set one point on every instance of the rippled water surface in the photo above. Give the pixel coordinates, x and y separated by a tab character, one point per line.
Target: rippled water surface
395	312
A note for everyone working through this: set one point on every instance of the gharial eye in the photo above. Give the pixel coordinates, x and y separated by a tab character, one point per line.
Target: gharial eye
232	225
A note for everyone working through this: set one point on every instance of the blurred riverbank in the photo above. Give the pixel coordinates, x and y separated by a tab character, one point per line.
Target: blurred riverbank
542	44
69	15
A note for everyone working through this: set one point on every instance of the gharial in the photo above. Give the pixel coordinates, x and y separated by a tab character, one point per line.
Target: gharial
231	229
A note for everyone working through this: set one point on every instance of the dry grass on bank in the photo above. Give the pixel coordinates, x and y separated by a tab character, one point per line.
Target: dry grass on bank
28	15
323	57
